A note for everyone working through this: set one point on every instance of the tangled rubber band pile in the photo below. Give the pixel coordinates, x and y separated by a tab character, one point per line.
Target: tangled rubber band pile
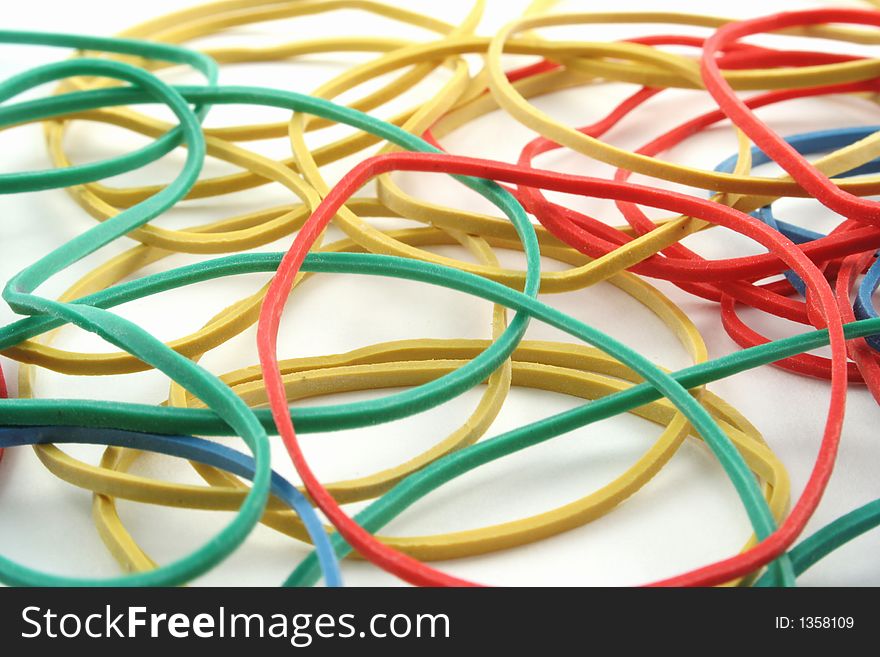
804	277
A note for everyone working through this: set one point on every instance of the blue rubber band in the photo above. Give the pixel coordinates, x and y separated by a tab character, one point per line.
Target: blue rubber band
192	449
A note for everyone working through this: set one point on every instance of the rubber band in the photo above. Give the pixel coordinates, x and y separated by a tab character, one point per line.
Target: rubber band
638	252
518	108
95	198
121	332
73	175
361	540
189	448
832	536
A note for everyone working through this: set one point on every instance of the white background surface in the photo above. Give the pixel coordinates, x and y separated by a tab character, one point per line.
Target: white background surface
687	516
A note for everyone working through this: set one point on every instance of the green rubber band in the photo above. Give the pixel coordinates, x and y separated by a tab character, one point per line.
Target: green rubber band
136	340
80	174
832	536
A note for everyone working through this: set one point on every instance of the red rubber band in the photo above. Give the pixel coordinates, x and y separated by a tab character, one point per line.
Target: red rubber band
418	573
